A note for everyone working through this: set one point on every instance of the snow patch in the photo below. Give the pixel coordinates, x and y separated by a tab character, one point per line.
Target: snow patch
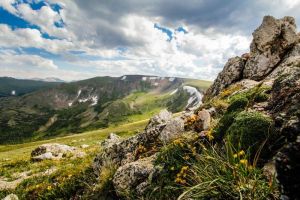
144	78
70	104
94	100
123	78
13	92
195	99
174	91
171	79
78	93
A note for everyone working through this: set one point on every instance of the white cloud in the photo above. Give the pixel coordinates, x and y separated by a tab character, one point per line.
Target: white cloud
99	28
20	61
26	37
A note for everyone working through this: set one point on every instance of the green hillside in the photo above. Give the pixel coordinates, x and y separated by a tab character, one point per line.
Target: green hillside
90	104
11	86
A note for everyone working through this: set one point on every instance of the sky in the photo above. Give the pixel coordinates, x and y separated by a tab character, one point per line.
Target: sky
79	39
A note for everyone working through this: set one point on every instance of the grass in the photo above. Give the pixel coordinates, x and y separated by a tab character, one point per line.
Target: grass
14	152
201	84
70	177
223	174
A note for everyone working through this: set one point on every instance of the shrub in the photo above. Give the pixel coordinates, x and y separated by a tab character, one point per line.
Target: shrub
249	130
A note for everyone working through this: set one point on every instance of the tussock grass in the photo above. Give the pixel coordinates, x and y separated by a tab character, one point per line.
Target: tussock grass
223	174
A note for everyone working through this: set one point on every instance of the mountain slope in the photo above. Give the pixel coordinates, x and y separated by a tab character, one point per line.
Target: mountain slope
17	87
89	104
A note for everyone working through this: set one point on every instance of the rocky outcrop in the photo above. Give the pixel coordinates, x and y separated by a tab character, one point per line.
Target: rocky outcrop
232	72
53	151
272	41
273	62
135	156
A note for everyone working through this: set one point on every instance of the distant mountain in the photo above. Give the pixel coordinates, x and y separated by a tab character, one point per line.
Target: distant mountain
49	79
94	103
17	87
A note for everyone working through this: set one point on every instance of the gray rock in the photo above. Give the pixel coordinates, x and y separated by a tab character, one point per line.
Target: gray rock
84	146
111	140
232	72
270	42
203	121
173	129
133	175
159	119
54	151
125	151
11	197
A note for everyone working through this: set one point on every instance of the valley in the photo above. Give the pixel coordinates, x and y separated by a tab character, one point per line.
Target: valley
100	102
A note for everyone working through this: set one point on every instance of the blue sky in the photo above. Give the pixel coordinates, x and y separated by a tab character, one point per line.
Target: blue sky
77	39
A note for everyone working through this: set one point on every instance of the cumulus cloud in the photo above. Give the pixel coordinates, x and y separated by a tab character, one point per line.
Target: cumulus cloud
100	37
27	37
10	58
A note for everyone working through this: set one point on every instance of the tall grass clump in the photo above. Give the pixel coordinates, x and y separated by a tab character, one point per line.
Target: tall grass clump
225	174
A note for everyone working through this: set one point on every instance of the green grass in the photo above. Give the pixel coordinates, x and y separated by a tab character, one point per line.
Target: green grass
71	176
201	84
15	152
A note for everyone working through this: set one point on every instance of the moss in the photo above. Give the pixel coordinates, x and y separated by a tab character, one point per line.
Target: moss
256	94
249	130
237	104
224	123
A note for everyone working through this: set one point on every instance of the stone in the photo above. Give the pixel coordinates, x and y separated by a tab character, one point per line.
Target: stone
124	152
84	146
203	121
159	119
133	175
54	151
271	40
11	197
173	129
232	72
111	140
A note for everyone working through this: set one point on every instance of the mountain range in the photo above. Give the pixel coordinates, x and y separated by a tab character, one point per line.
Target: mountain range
39	109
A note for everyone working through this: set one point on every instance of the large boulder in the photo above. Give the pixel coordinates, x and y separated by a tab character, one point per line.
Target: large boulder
271	41
133	175
54	151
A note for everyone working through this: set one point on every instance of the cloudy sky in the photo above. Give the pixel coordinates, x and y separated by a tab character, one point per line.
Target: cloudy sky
78	39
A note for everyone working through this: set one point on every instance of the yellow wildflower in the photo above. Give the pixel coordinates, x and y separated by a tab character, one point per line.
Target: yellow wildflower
172	168
235	155
241	153
49	187
244	161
